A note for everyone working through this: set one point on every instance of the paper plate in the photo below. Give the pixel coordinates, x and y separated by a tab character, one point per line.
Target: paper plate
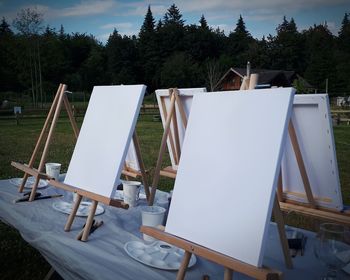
158	254
30	181
83	210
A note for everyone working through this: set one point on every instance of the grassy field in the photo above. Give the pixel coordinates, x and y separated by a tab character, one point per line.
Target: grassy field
17	143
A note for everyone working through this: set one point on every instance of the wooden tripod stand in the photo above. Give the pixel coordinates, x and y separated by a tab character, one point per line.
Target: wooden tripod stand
50	123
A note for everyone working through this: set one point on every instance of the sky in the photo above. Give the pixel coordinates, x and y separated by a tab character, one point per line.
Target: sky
101	17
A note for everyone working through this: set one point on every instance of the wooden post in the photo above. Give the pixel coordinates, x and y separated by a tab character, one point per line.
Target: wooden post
184	264
89	220
228	274
41	136
141	164
73	213
181	108
171	138
280	187
48	140
282	233
71	116
176	136
162	150
301	165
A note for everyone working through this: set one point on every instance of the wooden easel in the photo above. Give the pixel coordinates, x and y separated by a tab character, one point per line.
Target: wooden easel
230	264
38	173
310	209
173	139
50	121
170	172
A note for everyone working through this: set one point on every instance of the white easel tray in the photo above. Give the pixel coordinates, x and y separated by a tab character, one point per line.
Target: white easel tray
83	210
158	254
30	181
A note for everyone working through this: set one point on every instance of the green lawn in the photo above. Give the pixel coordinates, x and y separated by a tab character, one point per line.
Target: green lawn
17	259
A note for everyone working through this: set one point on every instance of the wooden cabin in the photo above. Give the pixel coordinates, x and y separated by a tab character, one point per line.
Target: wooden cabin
232	79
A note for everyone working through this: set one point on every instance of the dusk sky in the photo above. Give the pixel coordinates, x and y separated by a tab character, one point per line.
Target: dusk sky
101	17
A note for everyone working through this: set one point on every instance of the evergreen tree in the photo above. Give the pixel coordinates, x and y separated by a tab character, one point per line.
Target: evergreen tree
173	16
344	34
171	33
342	57
148	50
148	24
122	59
8	76
238	44
5	28
320	57
203	23
287	47
240	29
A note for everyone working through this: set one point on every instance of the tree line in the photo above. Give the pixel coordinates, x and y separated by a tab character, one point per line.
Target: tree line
166	53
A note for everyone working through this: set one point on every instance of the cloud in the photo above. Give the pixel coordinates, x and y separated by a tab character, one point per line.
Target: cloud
140	8
276	5
222	27
87	7
118	25
123	28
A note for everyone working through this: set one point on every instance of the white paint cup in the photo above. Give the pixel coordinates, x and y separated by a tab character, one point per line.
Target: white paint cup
152	216
53	170
131	191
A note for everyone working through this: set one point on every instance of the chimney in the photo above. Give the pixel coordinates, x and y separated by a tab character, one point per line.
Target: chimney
248	69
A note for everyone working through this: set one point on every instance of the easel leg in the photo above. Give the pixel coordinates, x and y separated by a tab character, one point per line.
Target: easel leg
184	264
141	164
34	187
38	143
24	181
277	213
228	274
73	213
89	221
49	274
161	151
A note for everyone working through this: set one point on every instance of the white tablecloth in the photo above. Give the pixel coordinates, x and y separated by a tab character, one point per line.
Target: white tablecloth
103	256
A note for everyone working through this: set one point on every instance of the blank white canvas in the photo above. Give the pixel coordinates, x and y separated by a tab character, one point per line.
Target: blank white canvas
227	176
186	95
313	124
104	138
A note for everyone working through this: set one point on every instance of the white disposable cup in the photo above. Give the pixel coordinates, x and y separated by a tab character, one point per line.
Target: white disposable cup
152	216
131	191
53	170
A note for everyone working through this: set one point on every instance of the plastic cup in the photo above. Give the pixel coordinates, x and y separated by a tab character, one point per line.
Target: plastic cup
152	216
131	191
53	169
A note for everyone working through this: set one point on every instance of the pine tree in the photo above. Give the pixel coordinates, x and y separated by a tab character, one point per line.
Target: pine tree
319	47
173	16
239	42
240	29
148	24
148	49
5	28
203	23
287	47
344	34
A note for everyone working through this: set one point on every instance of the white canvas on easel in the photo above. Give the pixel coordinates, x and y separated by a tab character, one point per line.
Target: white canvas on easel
163	100
312	122
227	176
104	138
